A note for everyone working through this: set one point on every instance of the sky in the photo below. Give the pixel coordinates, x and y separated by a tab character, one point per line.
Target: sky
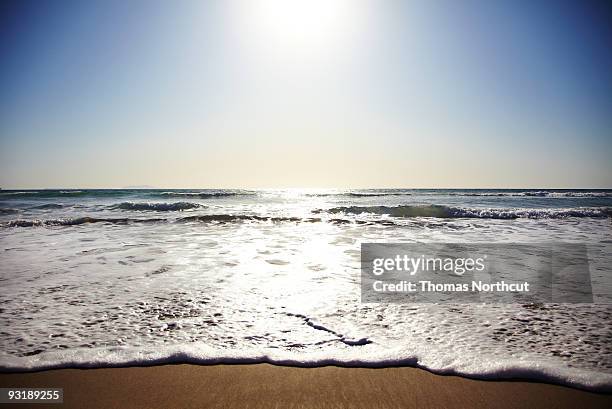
317	93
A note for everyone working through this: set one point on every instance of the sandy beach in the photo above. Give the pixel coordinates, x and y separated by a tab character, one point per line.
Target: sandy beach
266	386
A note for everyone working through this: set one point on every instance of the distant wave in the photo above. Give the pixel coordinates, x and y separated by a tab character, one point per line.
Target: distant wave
433	211
357	194
520	194
24	193
579	194
8	210
229	218
48	206
75	221
467	193
59	193
205	195
207	218
457	212
365	193
158	207
539	193
202	194
360	194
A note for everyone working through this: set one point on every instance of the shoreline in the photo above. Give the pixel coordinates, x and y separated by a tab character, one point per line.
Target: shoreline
266	385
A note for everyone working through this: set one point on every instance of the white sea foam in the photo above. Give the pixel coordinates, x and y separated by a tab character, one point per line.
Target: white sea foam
480	367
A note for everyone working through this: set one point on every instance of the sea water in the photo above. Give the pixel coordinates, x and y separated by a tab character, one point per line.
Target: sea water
95	278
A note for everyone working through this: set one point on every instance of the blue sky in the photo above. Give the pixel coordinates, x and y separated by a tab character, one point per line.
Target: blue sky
334	93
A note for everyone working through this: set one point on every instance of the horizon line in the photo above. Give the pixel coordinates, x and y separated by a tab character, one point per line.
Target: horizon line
304	188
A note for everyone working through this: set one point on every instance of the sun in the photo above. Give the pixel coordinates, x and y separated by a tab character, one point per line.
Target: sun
299	25
302	21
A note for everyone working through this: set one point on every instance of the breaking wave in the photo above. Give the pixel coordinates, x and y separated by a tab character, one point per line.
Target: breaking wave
366	355
458	212
75	221
157	207
209	218
431	211
206	218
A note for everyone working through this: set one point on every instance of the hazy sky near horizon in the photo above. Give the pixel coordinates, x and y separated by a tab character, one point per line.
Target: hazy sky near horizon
316	93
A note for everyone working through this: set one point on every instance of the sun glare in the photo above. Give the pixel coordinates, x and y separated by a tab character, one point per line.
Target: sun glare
299	25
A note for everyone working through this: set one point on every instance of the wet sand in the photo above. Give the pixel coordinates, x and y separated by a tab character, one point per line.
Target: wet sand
269	386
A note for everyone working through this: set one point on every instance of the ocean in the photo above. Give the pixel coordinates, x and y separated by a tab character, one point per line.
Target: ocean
96	278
